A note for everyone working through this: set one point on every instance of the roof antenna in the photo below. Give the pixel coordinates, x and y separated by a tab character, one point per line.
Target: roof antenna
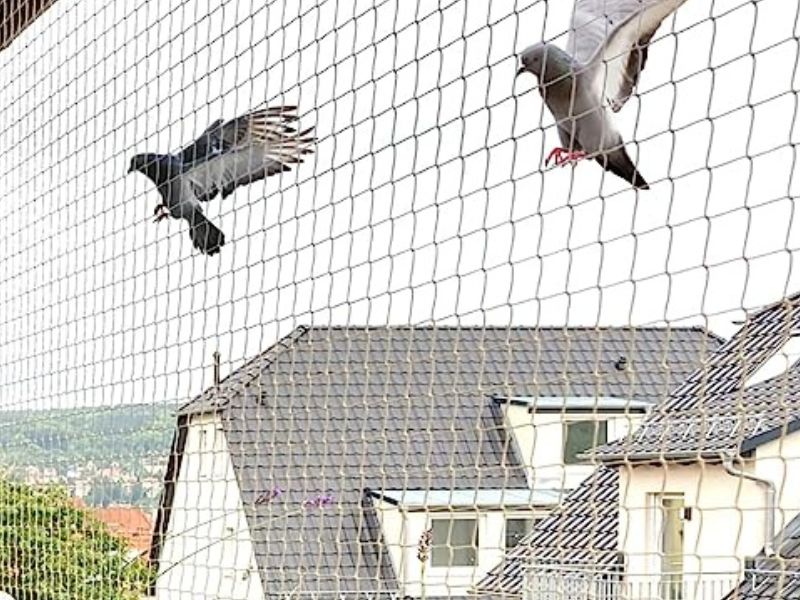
216	368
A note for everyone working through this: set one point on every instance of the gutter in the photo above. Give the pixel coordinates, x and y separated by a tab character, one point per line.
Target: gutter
769	492
647	457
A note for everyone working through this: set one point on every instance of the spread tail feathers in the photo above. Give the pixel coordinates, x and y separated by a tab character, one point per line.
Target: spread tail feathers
618	162
206	237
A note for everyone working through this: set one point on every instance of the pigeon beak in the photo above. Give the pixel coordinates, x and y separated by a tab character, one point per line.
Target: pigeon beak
520	71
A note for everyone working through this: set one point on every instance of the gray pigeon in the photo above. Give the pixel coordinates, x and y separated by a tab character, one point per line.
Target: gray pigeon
606	52
243	150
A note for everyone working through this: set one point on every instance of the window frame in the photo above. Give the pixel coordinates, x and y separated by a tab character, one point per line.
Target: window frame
670	582
532	519
450	520
597	439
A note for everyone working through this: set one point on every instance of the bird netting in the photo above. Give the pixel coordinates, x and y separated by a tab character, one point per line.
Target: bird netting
343	299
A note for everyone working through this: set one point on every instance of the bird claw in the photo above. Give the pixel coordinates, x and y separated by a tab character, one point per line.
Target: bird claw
562	156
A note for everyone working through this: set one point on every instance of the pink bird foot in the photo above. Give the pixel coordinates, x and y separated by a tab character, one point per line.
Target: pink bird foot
562	156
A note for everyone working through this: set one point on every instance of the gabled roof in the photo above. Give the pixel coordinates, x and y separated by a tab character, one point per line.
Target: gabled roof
715	411
582	532
346	410
774	578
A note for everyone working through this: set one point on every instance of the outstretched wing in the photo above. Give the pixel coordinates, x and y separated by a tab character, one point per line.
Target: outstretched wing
206	146
611	37
245	149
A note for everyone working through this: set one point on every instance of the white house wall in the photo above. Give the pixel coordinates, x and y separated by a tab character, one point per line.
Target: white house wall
726	524
779	461
402	531
207	506
540	440
728	516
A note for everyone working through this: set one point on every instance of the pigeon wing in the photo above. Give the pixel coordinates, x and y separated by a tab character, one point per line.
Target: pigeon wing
207	145
246	149
592	23
610	37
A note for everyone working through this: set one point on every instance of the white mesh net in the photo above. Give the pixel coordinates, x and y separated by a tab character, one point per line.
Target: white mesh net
376	344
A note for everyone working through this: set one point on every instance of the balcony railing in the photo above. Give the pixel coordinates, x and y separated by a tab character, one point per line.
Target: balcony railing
568	583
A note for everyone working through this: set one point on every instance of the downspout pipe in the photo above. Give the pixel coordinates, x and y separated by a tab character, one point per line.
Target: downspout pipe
769	493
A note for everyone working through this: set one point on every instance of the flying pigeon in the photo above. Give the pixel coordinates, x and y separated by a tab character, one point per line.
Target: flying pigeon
606	51
226	155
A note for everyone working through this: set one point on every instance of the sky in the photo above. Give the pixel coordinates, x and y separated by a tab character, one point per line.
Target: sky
426	202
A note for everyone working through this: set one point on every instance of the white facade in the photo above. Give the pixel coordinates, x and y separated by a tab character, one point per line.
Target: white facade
207	506
207	551
726	523
540	438
402	530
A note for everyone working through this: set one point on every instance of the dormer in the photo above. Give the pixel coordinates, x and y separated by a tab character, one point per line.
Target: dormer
554	434
470	531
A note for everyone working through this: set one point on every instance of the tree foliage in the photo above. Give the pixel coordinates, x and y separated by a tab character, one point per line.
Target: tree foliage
131	437
53	550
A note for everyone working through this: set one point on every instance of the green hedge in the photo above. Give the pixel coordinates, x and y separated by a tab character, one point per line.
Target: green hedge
52	550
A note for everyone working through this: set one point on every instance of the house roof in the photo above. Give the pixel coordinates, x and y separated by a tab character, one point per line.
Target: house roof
344	410
583	531
773	578
715	411
128	522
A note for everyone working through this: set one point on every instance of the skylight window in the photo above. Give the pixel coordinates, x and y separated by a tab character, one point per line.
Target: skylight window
778	363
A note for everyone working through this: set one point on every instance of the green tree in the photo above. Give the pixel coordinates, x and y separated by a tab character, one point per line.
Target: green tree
52	550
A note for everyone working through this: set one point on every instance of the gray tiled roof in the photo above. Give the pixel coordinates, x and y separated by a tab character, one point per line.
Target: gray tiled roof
713	411
583	531
348	409
774	578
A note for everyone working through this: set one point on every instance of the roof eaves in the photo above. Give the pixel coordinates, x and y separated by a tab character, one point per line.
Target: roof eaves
617	459
161	524
762	438
575	404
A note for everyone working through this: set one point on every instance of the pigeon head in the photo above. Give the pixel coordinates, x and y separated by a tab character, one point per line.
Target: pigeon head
546	61
157	167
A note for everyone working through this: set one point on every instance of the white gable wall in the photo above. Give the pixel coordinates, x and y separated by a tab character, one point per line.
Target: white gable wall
727	522
540	440
779	461
207	506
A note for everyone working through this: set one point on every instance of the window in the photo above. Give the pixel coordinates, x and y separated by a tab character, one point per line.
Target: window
516	529
669	536
580	436
454	543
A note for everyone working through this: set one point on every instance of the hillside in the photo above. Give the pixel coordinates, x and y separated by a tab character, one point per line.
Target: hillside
105	455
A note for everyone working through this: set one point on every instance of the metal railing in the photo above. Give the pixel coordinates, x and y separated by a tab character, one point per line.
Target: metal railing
563	583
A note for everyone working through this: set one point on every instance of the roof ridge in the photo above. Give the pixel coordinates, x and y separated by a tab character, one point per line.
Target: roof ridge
364	327
240	378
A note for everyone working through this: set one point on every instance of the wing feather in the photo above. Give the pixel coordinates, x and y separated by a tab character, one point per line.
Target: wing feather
593	21
205	146
611	38
250	147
